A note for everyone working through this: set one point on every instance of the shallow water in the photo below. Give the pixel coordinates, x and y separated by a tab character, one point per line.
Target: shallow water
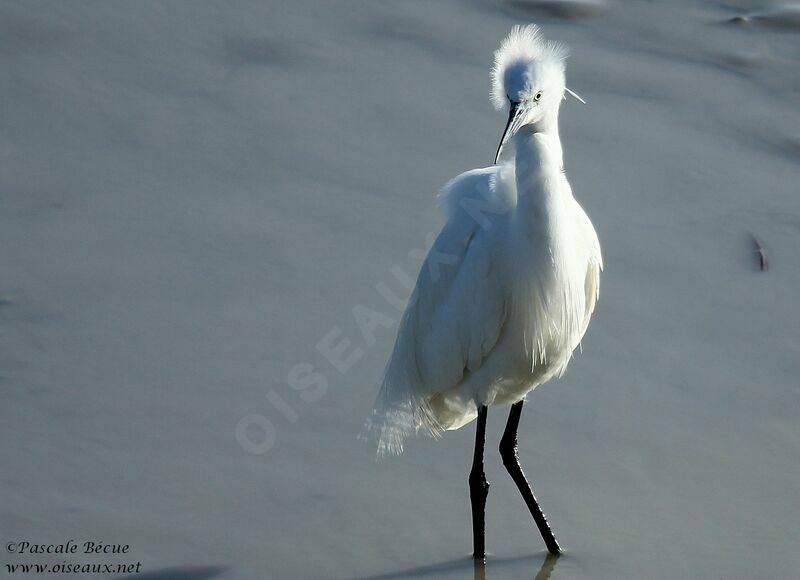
195	199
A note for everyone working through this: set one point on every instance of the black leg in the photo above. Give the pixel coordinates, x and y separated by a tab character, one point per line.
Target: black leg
479	488
508	451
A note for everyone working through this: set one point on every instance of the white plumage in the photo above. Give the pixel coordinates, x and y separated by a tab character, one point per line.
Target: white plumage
507	290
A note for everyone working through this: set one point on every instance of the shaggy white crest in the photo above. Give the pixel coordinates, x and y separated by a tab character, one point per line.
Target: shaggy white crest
520	51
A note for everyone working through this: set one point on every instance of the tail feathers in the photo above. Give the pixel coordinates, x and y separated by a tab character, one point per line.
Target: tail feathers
389	426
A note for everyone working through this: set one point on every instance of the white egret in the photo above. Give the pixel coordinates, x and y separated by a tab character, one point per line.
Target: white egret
507	290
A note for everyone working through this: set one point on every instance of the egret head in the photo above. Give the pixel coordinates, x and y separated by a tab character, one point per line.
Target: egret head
528	77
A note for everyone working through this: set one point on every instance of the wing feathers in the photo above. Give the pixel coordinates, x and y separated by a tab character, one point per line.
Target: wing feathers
457	313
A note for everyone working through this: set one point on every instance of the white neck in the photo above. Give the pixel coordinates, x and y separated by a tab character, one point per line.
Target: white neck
549	126
536	157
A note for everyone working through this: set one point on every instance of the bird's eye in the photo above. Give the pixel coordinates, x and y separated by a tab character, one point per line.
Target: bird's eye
537	96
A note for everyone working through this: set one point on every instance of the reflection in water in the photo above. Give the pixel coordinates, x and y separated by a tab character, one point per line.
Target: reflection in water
547	568
479	568
544	572
186	573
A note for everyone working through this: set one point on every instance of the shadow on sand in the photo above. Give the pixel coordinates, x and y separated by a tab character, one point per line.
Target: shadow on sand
482	570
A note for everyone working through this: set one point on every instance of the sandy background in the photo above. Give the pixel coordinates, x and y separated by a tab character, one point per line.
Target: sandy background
195	194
